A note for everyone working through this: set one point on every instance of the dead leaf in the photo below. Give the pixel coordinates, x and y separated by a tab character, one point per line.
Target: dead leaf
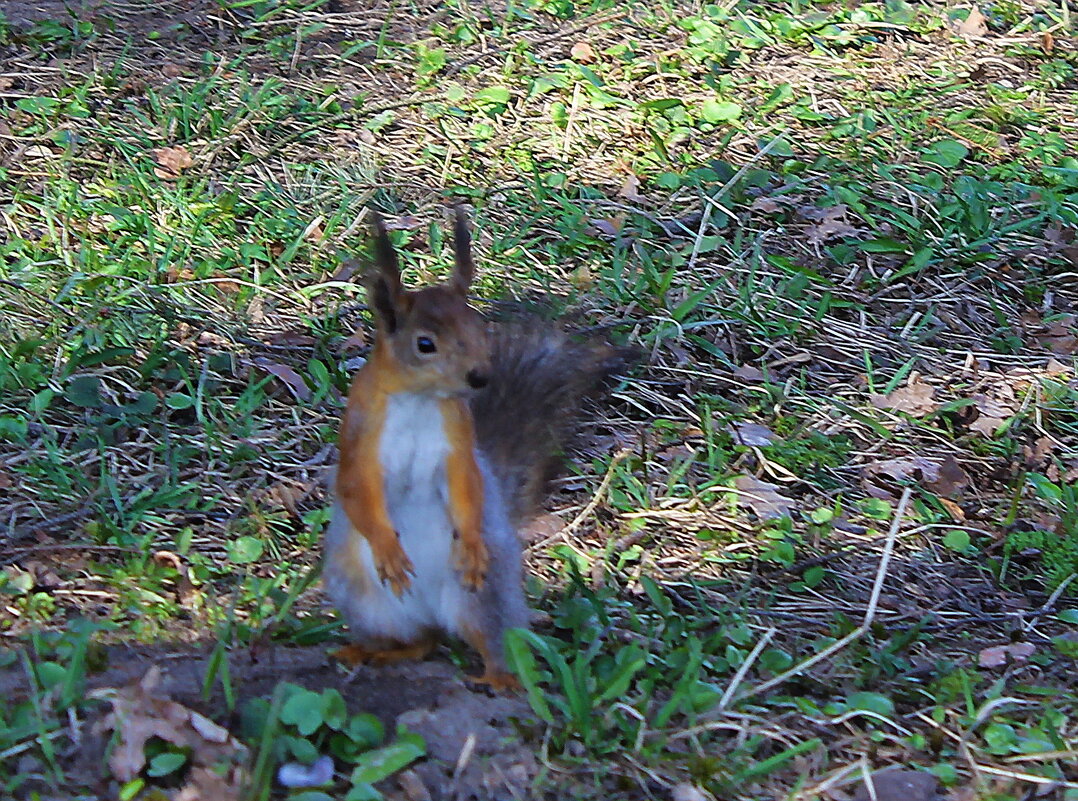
956	512
542	527
885	479
915	399
821	213
174	275
314	231
898	784
168	559
581	278
766	204
207	729
185	587
352	364
287	496
349	267
134	87
677	452
5	479
752	435
1060	241
45	577
986	424
139	714
951	480
1059	235
630	190
994	409
1048	42
211	340
357	341
205	784
1056	368
747	372
975	24
288	376
832	223
171	162
582	52
1058	336
762	497
226	286
1037	454
291	338
608	227
256	310
1000	655
782	199
1025	377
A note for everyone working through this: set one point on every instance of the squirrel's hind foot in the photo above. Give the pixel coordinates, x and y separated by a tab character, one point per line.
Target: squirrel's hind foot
499	681
356	654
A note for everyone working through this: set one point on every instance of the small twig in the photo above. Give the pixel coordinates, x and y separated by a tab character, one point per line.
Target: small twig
464	757
38	295
846	549
985	712
1027	777
870	611
591	505
866	779
1051	602
743	669
868	713
26	745
836	779
698	240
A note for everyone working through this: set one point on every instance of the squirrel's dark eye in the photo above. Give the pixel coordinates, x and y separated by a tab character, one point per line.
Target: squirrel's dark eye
425	345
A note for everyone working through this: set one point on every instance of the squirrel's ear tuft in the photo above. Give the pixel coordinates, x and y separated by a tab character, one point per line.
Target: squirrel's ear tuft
385	256
463	265
383	302
384	289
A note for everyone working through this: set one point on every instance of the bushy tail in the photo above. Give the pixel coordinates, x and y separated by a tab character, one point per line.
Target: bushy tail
529	414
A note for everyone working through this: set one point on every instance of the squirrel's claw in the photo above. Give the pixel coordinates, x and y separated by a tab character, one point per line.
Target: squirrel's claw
395	568
470	557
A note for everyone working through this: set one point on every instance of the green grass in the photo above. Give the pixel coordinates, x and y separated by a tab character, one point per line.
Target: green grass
793	207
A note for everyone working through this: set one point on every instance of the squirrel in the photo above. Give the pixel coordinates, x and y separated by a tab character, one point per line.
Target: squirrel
451	433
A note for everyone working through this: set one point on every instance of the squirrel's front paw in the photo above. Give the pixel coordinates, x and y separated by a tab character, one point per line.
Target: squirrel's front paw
393	565
471	559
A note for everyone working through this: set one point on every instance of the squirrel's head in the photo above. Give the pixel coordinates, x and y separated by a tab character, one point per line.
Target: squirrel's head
438	344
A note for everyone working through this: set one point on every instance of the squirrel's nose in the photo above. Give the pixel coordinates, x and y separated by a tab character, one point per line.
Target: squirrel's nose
477	379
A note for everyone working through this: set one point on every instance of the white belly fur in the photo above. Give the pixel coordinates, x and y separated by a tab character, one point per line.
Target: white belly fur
413	455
